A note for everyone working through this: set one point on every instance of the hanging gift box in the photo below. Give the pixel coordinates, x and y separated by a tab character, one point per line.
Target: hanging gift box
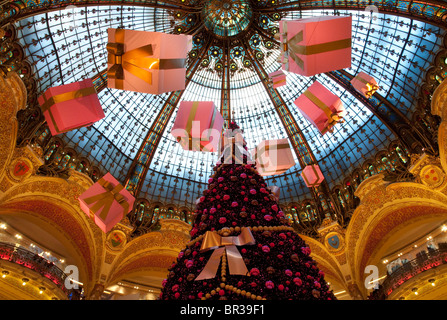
312	175
365	84
198	126
321	107
107	202
277	78
71	106
315	45
273	157
148	62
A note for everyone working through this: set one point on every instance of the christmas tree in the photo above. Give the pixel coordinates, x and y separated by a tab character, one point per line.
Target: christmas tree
242	246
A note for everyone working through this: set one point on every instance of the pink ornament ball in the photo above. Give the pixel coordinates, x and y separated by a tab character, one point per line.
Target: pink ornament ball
269	285
266	249
254	272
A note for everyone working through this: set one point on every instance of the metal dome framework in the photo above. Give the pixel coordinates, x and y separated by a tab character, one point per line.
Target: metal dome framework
65	42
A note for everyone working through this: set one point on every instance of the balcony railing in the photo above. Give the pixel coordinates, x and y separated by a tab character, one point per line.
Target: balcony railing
34	262
425	260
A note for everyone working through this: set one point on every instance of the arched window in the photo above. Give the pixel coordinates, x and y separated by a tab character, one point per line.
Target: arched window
323	202
51	151
43	137
140	210
310	212
65	160
82	166
357	179
289	217
156	214
340	198
401	154
388	163
294	215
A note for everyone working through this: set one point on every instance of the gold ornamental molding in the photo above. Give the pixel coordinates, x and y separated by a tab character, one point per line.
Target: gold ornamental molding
439	108
384	208
55	200
12	99
326	260
156	249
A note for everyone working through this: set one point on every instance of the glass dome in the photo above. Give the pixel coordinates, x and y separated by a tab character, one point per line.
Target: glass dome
228	64
226	18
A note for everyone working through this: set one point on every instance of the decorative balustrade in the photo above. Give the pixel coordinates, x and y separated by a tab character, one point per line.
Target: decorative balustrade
34	262
424	261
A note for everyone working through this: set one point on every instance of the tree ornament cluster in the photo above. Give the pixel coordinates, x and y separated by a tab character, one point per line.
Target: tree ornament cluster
278	262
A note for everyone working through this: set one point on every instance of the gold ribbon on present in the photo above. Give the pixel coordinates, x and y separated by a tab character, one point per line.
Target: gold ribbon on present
292	48
105	200
135	61
267	148
225	245
63	97
371	88
188	129
305	178
332	118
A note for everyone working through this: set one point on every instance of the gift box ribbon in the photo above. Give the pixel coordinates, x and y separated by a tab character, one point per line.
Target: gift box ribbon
105	200
63	97
267	148
225	245
371	88
307	180
332	118
135	61
292	48
189	122
278	78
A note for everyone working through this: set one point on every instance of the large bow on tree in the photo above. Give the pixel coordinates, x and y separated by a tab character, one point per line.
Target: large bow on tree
225	245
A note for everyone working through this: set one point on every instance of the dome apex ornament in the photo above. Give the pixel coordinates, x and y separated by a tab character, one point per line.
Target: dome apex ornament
227	18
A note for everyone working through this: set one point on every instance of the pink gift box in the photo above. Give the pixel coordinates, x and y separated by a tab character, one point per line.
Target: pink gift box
316	45
312	175
107	202
71	106
365	84
321	107
273	157
198	126
278	78
148	62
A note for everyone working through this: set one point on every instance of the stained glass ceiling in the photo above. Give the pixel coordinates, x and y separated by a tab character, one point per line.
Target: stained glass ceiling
70	45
